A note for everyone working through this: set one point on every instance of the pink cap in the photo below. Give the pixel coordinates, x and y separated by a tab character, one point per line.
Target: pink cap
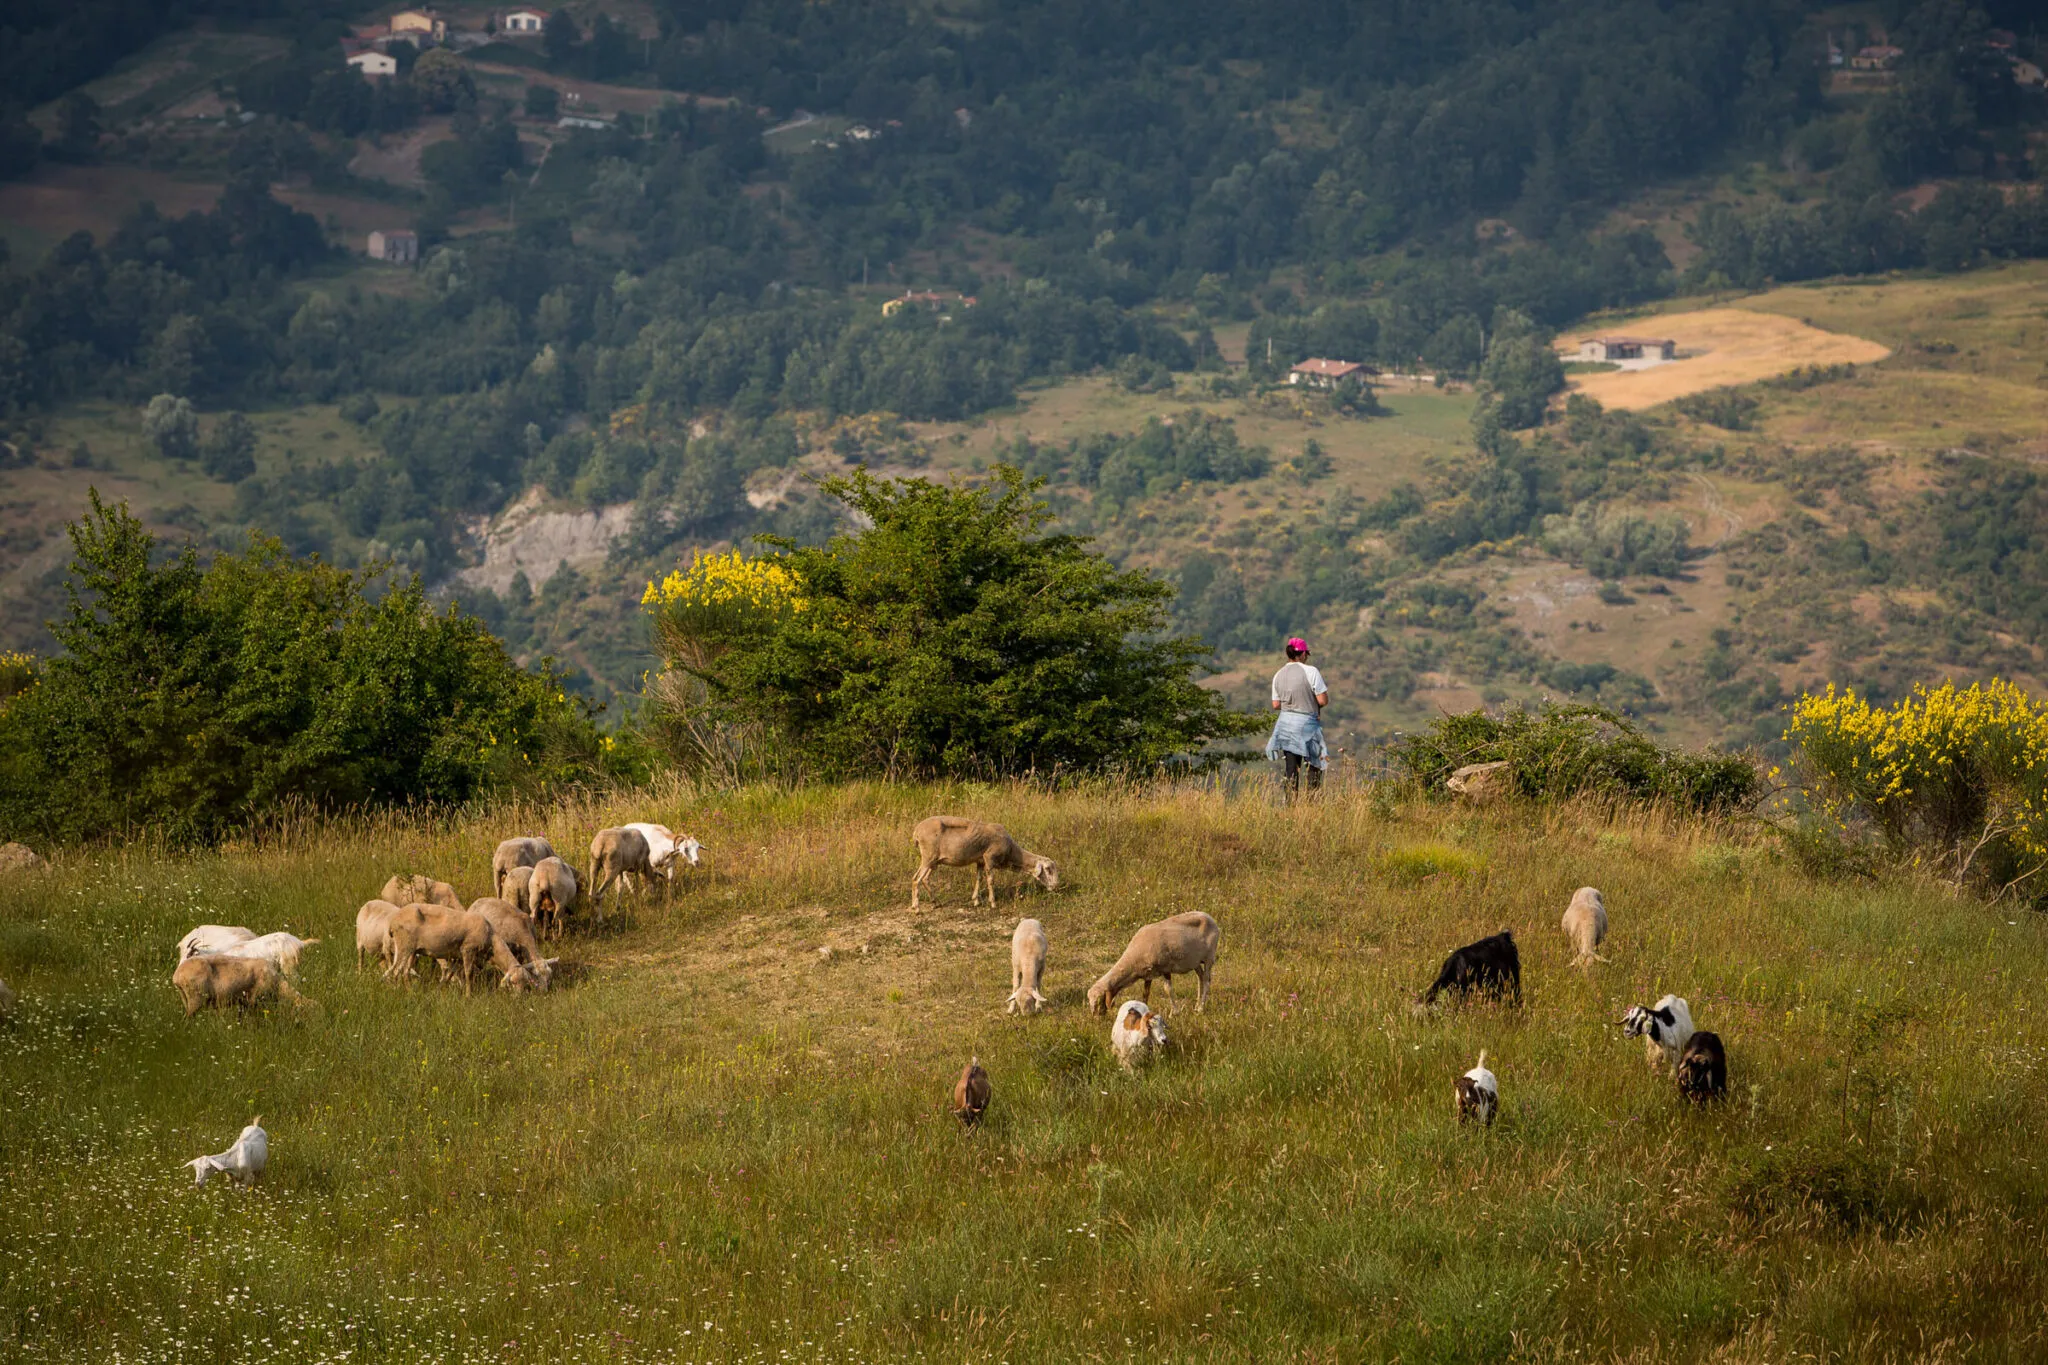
1298	645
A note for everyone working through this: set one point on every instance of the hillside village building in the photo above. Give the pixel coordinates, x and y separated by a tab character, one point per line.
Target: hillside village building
524	21
1319	373
418	25
398	247
374	63
1628	348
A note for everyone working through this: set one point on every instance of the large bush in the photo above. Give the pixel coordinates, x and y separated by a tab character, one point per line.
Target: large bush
950	637
1565	751
189	698
1950	779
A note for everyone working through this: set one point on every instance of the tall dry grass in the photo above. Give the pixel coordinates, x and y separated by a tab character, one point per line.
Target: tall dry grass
718	1144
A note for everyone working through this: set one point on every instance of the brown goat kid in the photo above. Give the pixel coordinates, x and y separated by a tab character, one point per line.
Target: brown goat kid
955	841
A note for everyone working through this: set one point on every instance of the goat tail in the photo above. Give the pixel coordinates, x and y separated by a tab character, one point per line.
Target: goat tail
1482	1058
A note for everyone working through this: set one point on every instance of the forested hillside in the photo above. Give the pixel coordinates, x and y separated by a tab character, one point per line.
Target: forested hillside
682	308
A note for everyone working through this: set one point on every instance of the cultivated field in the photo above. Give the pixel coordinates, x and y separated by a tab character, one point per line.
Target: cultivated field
719	1143
1718	347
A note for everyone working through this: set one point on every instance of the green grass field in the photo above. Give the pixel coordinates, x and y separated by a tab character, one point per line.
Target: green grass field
715	1143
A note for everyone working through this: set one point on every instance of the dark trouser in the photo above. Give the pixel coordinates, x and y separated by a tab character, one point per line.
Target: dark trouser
1293	764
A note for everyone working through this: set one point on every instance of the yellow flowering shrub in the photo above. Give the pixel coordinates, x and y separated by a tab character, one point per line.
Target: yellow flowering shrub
1953	778
17	673
720	598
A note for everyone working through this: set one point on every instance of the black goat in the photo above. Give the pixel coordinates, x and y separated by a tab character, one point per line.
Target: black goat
1703	1068
1491	965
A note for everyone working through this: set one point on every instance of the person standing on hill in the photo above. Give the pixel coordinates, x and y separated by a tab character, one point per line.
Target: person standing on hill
1299	695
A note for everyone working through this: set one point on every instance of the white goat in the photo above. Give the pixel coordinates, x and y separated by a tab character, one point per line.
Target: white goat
212	938
243	1162
1027	968
280	949
1585	924
665	851
1665	1028
1136	1034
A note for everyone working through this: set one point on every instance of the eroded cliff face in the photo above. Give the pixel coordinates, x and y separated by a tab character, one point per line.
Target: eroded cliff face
531	537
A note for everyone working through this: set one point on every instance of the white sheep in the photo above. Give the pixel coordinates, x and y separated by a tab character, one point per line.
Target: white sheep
1136	1034
955	841
519	889
552	894
212	938
1172	947
243	1162
1585	924
1665	1028
373	926
1027	968
1478	1093
280	949
521	852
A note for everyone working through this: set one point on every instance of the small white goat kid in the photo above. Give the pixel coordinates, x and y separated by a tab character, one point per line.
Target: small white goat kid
1136	1034
1665	1028
1027	968
243	1162
212	938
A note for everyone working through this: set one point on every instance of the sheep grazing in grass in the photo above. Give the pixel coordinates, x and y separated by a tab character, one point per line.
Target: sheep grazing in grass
525	851
1136	1034
552	894
242	1163
212	938
416	889
666	853
619	858
1664	1028
971	1093
1478	1094
1171	947
464	937
1585	924
515	931
373	923
1027	968
518	889
219	981
955	841
1491	966
280	948
1703	1068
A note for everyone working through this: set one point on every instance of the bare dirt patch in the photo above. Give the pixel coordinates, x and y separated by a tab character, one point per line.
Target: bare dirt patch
397	161
1718	347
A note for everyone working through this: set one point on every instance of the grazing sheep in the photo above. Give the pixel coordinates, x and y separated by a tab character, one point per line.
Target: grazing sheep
618	859
1491	965
522	852
243	1162
664	850
955	841
373	923
461	936
1171	947
1478	1093
1585	924
1136	1034
280	948
553	894
1703	1068
1027	968
519	889
417	889
971	1093
1664	1028
212	938
217	980
515	931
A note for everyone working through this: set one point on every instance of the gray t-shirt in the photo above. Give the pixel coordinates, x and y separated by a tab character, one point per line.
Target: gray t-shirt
1296	686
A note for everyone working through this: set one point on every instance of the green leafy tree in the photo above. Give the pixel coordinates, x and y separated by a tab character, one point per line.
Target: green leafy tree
560	36
542	101
442	82
170	425
189	699
229	453
1520	373
78	127
950	637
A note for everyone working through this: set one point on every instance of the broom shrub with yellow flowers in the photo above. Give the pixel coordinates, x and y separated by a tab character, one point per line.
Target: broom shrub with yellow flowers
1951	779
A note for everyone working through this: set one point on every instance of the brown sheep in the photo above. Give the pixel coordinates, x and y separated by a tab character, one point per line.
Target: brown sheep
521	852
553	894
1172	947
373	923
515	931
616	857
955	841
464	937
416	889
238	981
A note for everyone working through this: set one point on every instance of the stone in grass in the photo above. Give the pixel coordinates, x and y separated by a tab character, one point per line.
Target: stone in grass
1481	781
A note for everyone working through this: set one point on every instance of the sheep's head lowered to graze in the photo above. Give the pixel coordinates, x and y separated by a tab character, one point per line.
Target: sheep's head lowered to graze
1046	873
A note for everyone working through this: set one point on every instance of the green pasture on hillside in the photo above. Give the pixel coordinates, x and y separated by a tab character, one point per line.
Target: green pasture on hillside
716	1142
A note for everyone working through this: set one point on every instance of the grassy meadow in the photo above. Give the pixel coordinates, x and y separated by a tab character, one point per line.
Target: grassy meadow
717	1142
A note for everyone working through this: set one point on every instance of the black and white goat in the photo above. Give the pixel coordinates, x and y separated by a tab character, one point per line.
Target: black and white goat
1491	966
1703	1068
1664	1028
1478	1094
